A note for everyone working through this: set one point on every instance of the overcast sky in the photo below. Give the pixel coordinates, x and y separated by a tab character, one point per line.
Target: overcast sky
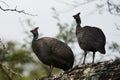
11	29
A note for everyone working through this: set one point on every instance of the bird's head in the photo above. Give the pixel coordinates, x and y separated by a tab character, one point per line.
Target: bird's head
77	18
35	32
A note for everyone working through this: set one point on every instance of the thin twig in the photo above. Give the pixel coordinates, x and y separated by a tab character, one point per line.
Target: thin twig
73	5
15	10
117	26
4	3
112	6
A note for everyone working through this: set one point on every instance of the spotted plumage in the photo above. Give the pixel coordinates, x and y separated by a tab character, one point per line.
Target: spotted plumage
89	38
52	52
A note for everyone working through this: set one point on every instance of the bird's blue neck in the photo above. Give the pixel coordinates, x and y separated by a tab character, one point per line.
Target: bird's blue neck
78	21
35	36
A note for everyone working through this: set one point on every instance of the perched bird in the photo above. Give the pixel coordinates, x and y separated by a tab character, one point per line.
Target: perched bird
52	52
89	38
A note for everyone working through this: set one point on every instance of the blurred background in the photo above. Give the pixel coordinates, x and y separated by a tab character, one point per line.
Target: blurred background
54	19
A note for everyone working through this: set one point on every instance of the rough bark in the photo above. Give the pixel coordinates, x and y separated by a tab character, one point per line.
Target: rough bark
107	70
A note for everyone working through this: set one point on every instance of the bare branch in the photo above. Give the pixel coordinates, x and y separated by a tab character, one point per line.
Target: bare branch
86	2
75	3
15	10
113	8
63	2
117	26
107	70
4	3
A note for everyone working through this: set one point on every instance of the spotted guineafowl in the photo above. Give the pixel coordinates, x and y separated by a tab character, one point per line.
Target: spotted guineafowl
52	52
89	38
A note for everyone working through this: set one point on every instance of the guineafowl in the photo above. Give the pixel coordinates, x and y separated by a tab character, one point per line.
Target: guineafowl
89	38
52	52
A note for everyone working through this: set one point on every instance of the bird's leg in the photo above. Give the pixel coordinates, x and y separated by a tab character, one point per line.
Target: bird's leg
84	56
93	57
51	68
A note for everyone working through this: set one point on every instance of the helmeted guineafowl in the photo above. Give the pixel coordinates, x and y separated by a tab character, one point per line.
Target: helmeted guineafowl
52	52
89	38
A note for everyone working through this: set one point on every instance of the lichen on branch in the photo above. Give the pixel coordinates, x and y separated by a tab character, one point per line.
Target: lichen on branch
107	70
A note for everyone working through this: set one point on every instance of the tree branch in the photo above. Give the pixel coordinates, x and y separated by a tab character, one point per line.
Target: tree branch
113	8
4	72
108	70
4	3
117	26
15	10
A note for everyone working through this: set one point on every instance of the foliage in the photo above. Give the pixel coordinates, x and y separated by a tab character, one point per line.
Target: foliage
114	47
16	58
66	31
13	58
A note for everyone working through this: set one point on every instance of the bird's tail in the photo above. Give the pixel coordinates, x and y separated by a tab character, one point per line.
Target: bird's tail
102	51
